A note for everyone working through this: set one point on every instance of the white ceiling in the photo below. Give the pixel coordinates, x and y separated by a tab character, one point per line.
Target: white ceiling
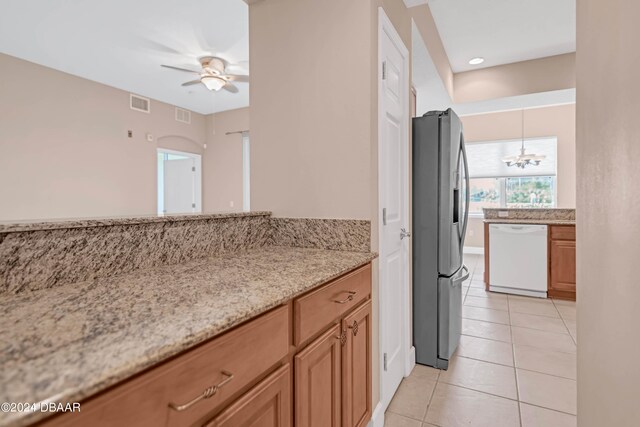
504	31
122	43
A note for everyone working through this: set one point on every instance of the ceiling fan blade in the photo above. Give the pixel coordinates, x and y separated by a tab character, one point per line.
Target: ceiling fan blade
242	67
181	69
238	78
230	87
192	82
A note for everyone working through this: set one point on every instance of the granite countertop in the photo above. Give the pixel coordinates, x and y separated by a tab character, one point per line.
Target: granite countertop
530	221
70	342
19	226
550	216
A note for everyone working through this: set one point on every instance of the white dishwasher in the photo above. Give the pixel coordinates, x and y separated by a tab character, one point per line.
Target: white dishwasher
518	259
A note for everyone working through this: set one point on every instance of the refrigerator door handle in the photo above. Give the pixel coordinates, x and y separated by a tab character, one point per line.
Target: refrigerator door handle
467	192
465	276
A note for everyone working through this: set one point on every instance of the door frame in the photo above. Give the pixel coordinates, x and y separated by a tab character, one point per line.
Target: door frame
198	176
386	28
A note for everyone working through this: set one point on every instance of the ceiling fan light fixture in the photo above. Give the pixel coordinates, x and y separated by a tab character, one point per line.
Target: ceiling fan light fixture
213	83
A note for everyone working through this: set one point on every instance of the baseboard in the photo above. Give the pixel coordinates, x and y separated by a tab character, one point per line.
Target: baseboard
473	250
377	419
411	361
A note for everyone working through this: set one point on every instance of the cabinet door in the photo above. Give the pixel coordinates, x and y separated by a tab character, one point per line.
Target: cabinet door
356	368
562	269
318	381
268	404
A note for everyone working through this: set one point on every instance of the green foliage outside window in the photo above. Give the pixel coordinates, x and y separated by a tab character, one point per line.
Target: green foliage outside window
515	192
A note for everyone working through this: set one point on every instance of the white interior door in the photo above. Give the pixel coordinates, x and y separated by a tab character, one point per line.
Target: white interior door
393	146
179	186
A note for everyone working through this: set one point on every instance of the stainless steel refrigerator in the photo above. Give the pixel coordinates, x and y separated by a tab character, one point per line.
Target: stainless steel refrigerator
440	215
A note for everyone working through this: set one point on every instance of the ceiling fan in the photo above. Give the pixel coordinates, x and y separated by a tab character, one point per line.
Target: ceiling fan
213	74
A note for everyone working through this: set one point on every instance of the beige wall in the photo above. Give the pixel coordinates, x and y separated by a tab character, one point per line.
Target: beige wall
608	213
64	150
311	136
427	27
520	78
310	97
222	161
314	137
556	121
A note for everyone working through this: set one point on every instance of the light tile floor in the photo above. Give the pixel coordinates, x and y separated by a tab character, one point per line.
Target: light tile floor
515	366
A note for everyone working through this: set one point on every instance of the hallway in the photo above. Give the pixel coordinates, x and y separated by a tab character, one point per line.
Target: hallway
515	366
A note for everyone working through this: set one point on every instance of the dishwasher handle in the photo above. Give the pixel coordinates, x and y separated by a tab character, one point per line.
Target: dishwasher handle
518	228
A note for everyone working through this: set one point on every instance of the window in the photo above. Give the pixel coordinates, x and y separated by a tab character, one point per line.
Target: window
494	185
530	192
485	193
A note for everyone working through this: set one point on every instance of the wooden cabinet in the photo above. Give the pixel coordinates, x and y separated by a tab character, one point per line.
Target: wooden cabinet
562	262
307	361
356	368
318	381
266	405
333	374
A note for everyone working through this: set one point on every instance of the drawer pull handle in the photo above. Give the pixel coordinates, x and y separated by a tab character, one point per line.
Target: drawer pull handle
354	328
347	299
342	337
207	393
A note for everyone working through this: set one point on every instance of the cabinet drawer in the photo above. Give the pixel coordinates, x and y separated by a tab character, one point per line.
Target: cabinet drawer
268	404
563	232
316	310
245	354
238	357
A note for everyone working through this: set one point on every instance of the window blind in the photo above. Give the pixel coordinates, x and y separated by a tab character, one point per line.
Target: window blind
485	158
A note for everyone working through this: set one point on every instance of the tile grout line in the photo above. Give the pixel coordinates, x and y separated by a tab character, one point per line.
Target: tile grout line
565	324
485	338
481	392
549	409
409	417
433	392
513	354
498	396
525	327
522	369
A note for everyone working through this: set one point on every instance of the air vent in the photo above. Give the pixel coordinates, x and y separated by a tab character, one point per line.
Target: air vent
183	115
139	103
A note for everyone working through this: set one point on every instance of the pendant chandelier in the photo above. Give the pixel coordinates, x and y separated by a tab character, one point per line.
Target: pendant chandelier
523	159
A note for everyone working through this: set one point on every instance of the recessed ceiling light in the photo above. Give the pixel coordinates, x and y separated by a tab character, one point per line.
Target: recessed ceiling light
476	61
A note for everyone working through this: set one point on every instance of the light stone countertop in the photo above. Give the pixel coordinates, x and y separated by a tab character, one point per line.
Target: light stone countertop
552	216
69	223
70	342
530	221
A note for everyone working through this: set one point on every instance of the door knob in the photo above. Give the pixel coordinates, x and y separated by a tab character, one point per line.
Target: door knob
404	233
